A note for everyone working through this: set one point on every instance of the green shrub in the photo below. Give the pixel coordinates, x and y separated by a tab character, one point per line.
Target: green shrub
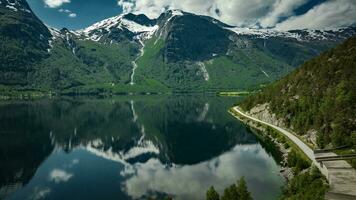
286	145
297	162
307	186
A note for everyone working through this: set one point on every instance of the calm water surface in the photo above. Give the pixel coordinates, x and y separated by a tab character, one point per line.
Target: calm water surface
129	148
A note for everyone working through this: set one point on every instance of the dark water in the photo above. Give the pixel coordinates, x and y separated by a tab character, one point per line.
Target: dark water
129	148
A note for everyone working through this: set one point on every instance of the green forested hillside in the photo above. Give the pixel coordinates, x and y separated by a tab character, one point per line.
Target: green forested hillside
92	63
180	53
23	41
243	68
320	95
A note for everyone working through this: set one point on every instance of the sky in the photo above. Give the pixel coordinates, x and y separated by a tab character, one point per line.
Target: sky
275	14
74	14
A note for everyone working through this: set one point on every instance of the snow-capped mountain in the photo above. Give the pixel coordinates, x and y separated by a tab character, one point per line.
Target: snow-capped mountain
196	38
127	26
176	51
140	27
117	28
300	35
121	23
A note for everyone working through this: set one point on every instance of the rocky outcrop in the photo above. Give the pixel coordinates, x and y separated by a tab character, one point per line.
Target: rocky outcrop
310	137
263	113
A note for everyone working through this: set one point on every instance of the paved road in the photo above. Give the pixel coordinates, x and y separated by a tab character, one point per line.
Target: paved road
341	176
305	148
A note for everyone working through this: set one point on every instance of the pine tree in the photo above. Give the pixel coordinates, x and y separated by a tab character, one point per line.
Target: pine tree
212	194
236	191
244	194
231	193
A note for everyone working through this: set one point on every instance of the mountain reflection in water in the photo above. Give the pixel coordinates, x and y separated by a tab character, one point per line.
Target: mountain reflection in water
129	148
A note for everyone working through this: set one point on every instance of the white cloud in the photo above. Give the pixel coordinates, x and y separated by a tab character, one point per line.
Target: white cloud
281	8
64	10
329	15
267	13
220	172
230	11
71	163
55	3
40	193
58	176
72	15
126	5
75	161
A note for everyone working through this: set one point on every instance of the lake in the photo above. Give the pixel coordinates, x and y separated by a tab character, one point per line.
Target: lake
130	147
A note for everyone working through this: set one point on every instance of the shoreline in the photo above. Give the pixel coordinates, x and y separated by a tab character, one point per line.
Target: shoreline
339	175
286	172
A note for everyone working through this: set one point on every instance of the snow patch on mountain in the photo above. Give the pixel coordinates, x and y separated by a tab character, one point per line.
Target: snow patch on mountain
11	8
50	44
300	35
54	32
135	27
65	35
143	32
15	5
104	24
95	32
177	12
262	33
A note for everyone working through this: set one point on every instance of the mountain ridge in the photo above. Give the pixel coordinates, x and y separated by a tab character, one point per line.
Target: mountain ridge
299	34
178	51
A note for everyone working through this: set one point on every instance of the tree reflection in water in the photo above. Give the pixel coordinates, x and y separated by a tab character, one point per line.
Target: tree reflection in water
177	145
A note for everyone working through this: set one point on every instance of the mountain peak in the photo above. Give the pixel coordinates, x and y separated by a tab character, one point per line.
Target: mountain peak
140	19
176	12
169	14
133	26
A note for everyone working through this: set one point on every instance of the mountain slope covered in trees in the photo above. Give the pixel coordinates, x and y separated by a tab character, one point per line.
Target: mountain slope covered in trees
318	97
178	51
24	41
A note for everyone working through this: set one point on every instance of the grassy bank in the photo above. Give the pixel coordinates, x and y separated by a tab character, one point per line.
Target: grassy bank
7	93
234	94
